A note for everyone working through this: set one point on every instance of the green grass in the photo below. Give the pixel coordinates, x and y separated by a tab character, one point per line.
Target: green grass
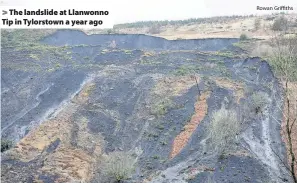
27	42
212	59
221	62
6	144
128	52
58	65
151	61
152	135
34	56
163	143
86	58
104	51
155	157
81	45
51	70
225	54
241	44
161	107
20	38
185	70
160	127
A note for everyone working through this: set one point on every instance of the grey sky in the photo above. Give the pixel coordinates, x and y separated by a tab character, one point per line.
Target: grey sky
137	10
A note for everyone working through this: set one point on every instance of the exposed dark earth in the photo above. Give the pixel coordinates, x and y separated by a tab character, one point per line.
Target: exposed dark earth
71	98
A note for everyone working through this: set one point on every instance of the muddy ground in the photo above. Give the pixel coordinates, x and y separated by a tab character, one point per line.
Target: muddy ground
74	98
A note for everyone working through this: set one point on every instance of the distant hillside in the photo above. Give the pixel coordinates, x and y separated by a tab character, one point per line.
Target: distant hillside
213	27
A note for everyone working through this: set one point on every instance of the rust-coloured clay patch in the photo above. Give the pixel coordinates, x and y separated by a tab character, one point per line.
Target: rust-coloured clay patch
200	111
70	161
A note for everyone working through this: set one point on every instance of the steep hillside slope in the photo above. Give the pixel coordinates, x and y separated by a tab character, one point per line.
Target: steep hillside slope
72	99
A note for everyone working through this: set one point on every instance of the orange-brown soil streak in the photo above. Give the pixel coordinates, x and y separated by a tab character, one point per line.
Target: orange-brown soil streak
200	111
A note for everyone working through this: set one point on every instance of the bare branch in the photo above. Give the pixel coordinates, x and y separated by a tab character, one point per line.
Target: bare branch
282	161
292	126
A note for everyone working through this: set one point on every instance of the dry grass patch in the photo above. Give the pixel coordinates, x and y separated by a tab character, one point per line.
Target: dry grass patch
237	87
223	129
117	166
174	86
165	89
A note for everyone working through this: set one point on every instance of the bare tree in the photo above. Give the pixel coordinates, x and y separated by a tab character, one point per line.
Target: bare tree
280	24
257	24
193	76
284	62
